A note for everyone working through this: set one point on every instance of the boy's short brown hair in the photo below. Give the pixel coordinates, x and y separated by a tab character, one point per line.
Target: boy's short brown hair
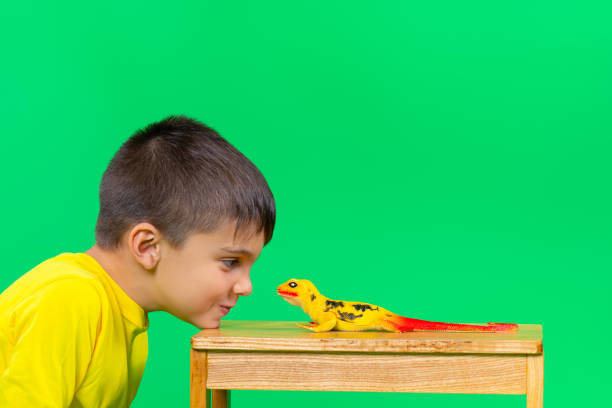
183	177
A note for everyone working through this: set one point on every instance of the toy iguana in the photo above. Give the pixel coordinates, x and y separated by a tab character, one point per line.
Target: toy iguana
340	315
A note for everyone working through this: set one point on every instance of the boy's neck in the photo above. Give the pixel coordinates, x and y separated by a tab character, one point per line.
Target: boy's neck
134	280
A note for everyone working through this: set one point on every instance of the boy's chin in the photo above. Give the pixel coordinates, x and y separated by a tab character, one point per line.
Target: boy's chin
207	324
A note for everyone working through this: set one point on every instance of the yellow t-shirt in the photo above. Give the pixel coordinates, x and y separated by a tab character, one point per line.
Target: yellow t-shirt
70	337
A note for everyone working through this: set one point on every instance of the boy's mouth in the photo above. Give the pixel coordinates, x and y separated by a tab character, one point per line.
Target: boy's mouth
225	309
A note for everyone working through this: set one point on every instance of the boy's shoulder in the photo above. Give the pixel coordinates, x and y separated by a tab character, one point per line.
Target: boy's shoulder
68	277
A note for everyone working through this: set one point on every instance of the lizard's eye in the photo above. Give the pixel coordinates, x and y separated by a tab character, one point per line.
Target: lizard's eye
293	284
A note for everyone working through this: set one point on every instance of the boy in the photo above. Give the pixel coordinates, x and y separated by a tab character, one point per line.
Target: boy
183	217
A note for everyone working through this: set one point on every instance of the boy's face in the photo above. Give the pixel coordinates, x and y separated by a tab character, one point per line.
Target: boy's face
202	280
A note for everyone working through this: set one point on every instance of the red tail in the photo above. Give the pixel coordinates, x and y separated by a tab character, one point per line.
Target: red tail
405	324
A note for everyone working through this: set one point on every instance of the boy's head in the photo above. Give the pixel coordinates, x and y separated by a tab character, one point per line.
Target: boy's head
192	211
182	177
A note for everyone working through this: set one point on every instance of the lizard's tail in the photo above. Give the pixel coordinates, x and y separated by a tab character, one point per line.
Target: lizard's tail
405	324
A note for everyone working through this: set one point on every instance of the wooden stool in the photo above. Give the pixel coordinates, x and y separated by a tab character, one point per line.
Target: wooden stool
253	355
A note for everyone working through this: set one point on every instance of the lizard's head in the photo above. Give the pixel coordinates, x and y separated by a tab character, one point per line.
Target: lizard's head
297	291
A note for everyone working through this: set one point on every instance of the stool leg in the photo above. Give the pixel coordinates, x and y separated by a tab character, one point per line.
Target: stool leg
535	381
199	394
221	399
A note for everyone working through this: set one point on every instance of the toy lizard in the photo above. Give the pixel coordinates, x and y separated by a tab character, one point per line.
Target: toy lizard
340	315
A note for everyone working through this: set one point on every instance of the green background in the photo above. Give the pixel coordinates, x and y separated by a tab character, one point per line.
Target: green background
448	161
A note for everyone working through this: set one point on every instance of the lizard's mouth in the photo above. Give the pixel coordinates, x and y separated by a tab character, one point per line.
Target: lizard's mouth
286	293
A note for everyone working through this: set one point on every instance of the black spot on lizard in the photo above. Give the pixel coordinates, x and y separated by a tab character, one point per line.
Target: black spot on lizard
332	304
347	317
363	307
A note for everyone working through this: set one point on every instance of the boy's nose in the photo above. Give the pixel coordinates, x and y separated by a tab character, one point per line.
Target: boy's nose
243	286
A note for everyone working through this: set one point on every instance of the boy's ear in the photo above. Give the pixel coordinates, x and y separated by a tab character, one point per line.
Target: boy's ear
144	244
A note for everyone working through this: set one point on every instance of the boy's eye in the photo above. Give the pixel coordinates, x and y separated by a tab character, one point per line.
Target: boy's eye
229	262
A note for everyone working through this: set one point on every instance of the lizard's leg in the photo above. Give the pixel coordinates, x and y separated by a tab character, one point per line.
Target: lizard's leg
327	324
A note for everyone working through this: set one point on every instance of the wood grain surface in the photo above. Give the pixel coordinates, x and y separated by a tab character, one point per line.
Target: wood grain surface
286	336
535	381
199	393
476	374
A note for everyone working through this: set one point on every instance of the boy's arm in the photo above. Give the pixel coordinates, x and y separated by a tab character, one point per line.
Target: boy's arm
54	335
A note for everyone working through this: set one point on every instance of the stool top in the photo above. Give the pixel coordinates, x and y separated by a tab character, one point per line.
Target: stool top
286	336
